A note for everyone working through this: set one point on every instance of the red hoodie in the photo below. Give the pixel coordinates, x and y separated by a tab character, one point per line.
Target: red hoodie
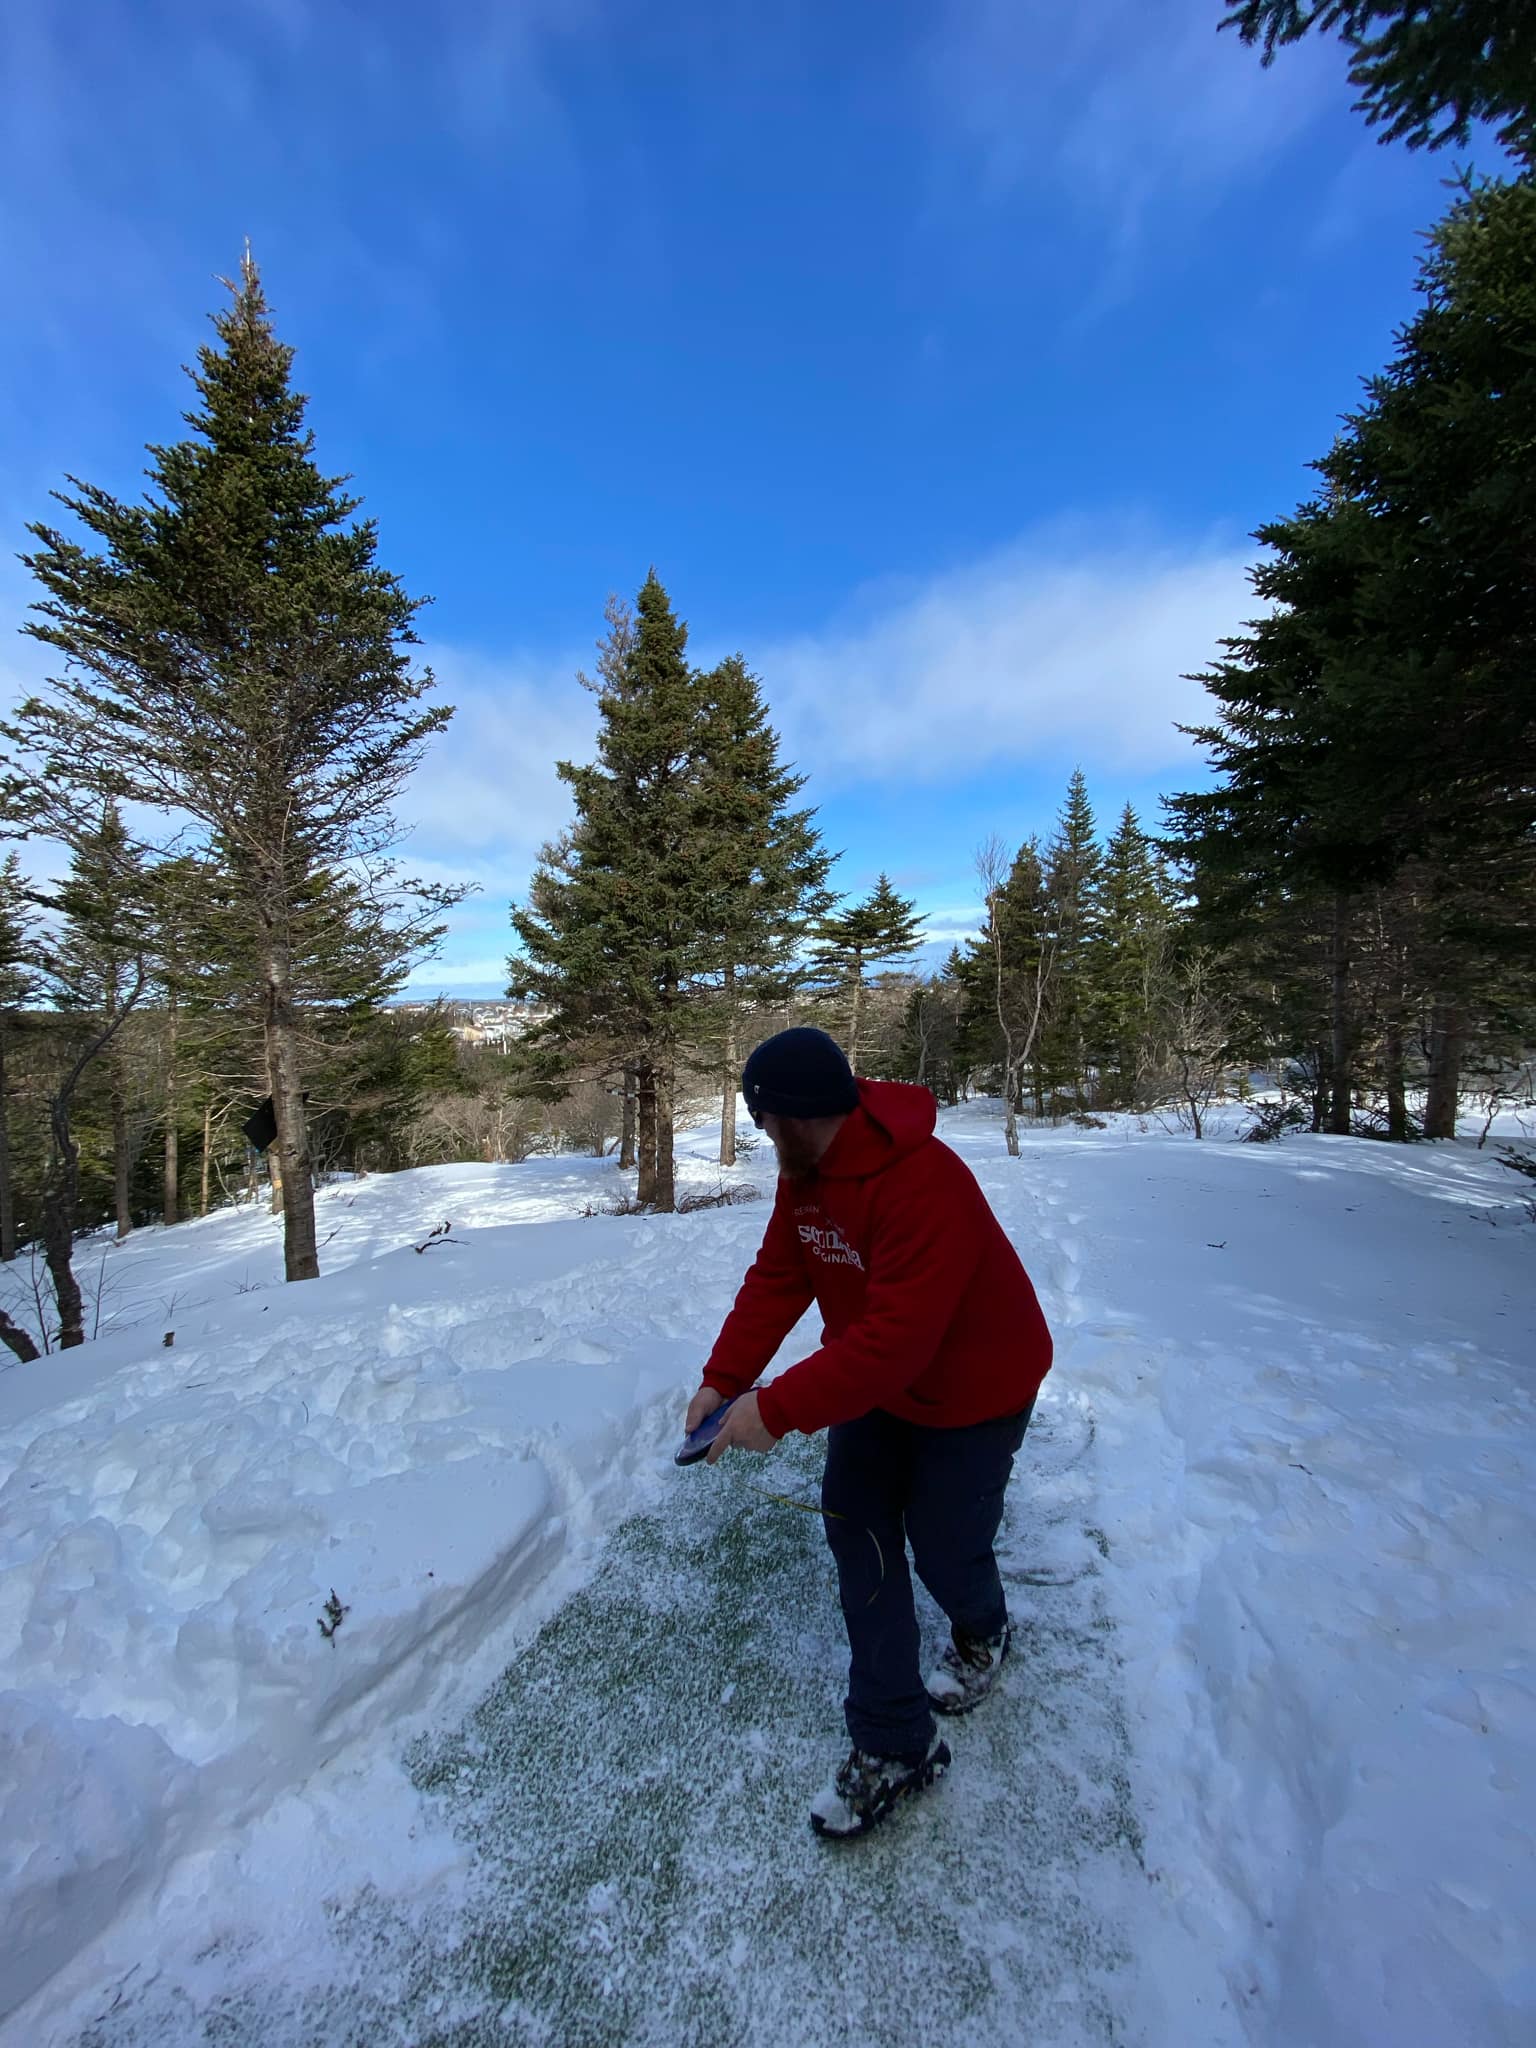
929	1313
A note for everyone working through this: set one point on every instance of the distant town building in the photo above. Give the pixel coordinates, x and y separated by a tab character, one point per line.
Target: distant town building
496	1025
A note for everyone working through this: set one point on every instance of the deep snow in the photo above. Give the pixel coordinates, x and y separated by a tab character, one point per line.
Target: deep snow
1264	1774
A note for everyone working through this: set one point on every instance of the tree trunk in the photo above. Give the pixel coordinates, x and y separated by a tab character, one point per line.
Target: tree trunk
666	1169
170	1194
856	1020
17	1339
645	1118
207	1152
1397	1093
728	1081
61	1192
1340	1036
7	1192
121	1163
627	1134
1447	1042
1318	1098
290	1148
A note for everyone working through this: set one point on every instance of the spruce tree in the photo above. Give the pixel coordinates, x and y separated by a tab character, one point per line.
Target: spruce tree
237	656
1014	967
18	986
932	1034
1136	926
1072	865
99	964
1378	720
95	971
1425	69
174	892
622	932
882	928
765	857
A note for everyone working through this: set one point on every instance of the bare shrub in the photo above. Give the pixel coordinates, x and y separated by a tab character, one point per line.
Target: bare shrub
722	1198
1195	1031
489	1124
586	1120
621	1205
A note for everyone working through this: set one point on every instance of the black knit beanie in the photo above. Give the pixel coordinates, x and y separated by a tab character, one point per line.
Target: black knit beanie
799	1073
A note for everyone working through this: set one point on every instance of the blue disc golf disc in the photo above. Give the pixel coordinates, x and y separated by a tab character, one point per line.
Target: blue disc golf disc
698	1441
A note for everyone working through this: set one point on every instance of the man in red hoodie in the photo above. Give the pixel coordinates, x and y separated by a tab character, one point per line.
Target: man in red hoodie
932	1355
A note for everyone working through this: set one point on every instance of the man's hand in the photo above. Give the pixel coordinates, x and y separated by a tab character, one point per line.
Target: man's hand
704	1402
742	1430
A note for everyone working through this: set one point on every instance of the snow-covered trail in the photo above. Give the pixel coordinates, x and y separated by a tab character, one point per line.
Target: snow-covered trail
1264	1774
631	1799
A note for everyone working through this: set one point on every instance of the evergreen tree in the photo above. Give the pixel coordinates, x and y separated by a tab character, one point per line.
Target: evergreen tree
18	985
175	890
623	929
95	972
1400	605
1436	468
1425	69
767	858
1072	866
1136	925
1015	967
1293	821
99	965
882	928
237	656
932	1034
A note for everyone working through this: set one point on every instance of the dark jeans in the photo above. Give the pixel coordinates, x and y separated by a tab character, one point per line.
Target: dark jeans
941	1490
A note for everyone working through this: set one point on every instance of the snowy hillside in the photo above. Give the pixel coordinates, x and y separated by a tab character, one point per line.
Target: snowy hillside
1265	1772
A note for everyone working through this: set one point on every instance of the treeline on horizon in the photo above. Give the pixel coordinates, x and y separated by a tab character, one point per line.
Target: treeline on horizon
239	702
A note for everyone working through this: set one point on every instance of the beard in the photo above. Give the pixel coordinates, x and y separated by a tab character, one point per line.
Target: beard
798	1158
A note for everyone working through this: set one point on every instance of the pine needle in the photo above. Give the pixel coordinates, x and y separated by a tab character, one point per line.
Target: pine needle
808	1507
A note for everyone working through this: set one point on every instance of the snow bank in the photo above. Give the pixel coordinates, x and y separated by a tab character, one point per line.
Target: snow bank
430	1435
1311	1366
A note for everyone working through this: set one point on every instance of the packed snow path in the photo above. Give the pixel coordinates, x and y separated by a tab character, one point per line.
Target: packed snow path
633	1793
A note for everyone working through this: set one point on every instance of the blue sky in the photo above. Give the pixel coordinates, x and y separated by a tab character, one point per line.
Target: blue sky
940	356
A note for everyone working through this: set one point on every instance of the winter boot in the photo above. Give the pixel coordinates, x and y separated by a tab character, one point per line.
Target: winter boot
967	1671
867	1787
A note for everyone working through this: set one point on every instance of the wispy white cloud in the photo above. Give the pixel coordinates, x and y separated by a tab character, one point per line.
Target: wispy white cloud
1065	646
257	94
487	790
487	797
1136	115
482	973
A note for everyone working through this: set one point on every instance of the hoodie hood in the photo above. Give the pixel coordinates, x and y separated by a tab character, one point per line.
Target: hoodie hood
893	1118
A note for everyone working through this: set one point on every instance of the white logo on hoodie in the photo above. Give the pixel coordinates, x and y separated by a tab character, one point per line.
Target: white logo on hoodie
829	1245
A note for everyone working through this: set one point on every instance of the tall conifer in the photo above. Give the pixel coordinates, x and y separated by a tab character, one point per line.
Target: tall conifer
18	985
1426	69
882	928
622	931
1072	866
237	656
764	855
1136	916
